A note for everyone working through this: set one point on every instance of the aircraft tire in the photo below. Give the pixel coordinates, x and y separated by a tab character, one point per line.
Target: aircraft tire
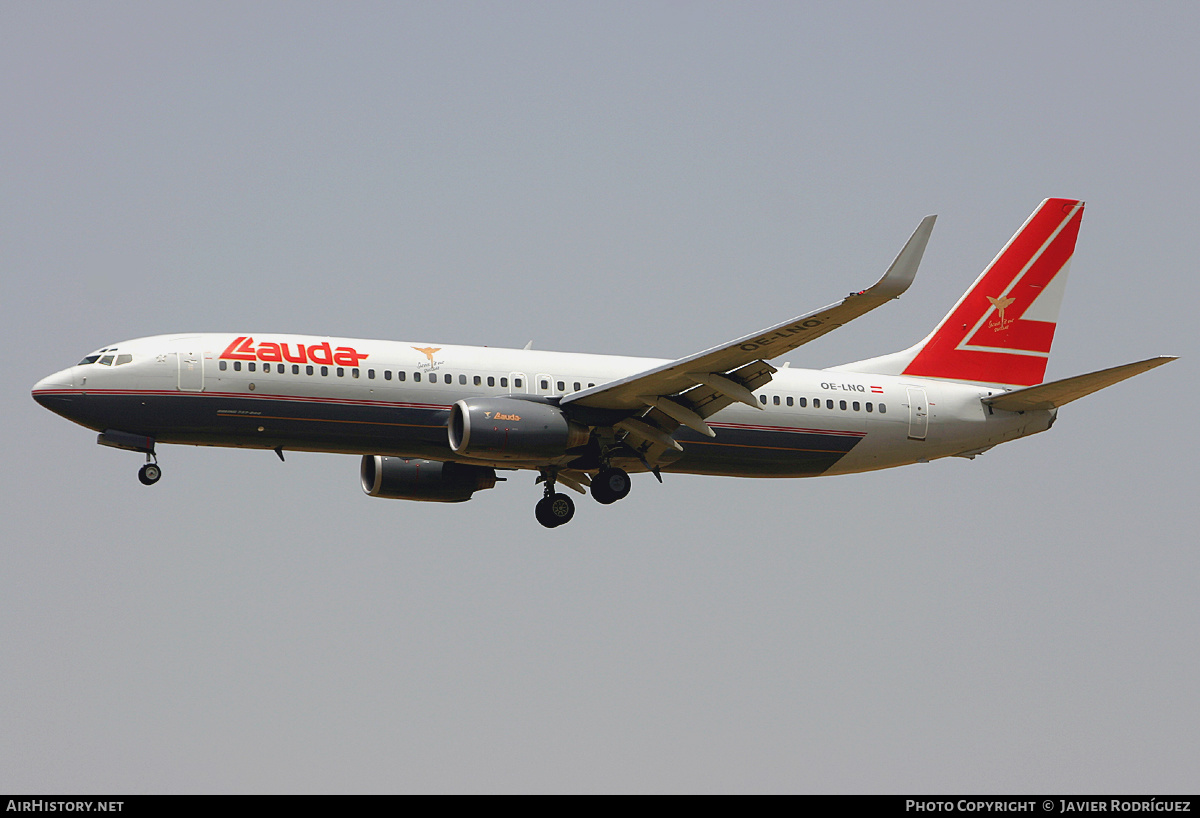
149	474
601	492
611	485
555	510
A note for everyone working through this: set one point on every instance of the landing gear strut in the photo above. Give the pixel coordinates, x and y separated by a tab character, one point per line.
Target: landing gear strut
610	485
555	508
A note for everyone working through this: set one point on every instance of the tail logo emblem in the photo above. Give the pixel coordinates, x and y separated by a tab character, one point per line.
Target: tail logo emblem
1001	304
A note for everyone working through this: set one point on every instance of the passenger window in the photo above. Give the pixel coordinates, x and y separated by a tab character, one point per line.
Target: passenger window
491	380
354	373
222	365
869	407
295	369
341	372
416	377
562	387
803	403
387	374
762	399
842	405
237	365
855	406
775	400
308	369
449	378
462	379
545	384
828	404
576	386
401	375
882	408
517	383
478	381
504	381
324	371
789	400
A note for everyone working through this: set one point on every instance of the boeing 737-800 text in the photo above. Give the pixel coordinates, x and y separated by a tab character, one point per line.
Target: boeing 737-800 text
435	422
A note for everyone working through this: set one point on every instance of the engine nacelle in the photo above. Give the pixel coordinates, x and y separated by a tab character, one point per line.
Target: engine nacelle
509	429
399	478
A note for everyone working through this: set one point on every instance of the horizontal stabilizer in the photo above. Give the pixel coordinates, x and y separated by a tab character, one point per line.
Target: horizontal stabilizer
1057	393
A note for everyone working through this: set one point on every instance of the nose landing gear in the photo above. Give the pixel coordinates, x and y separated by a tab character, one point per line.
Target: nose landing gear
149	474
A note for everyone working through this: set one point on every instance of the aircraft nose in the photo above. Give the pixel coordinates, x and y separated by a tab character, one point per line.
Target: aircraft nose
47	390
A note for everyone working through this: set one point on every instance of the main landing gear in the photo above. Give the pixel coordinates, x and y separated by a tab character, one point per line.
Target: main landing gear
611	485
556	508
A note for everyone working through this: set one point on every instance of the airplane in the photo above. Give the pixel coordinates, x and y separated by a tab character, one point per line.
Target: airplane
435	422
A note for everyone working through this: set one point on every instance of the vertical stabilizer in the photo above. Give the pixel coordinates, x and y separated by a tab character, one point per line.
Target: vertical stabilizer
1001	330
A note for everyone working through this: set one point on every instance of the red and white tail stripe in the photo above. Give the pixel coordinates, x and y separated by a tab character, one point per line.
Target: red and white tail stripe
1001	330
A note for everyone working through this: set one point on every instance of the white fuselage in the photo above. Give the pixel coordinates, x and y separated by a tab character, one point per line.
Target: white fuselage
393	398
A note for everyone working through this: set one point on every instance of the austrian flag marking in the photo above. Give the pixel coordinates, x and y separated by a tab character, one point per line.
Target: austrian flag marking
244	349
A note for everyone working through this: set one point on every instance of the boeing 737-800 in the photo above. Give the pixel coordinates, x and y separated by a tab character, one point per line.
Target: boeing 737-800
435	422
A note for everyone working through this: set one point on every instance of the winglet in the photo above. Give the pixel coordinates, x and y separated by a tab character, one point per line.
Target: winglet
904	269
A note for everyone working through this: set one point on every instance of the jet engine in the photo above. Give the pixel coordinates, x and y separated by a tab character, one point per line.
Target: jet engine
400	478
508	429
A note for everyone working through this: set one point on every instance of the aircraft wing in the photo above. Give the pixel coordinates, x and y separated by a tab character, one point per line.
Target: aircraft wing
1056	393
685	392
734	368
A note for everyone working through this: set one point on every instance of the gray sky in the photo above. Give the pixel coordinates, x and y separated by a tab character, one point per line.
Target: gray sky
649	178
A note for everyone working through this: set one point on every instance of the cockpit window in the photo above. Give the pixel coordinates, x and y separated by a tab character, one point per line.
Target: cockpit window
123	358
99	355
106	360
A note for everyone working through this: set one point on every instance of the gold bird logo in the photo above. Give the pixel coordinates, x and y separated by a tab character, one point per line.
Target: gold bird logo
428	352
1001	304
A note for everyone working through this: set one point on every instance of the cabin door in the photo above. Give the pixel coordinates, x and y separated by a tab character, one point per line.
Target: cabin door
918	413
191	371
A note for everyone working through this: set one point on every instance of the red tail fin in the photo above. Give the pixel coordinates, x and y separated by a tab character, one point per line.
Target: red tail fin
1001	330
